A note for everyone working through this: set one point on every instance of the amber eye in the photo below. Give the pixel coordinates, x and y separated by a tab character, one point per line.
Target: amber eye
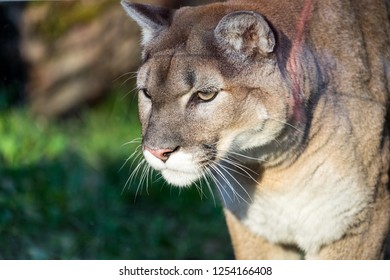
206	95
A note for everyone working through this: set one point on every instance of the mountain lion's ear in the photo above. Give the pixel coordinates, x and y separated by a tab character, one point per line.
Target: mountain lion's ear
244	34
151	19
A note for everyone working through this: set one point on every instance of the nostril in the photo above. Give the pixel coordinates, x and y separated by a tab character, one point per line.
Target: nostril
167	154
162	154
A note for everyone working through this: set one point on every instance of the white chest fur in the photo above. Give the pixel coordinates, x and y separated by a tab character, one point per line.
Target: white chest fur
312	209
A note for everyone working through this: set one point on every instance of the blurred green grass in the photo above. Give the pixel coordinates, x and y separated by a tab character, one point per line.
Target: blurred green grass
63	193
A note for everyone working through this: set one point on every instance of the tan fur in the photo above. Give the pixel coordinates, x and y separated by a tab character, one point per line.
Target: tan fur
295	136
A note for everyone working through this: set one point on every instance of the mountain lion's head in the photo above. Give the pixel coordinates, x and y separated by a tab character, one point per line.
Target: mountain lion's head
213	88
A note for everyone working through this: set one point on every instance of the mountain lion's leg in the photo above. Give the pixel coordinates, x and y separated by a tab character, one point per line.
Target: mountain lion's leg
249	246
366	241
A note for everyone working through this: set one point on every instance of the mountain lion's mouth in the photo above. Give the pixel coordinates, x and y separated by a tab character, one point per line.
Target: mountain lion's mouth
181	169
179	178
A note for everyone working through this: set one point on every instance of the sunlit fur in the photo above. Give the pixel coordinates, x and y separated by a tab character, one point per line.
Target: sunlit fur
294	136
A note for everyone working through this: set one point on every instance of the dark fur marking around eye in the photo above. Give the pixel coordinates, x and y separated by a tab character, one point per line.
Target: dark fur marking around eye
145	92
145	57
190	78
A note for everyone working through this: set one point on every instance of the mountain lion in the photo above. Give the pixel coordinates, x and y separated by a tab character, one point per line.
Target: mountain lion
283	104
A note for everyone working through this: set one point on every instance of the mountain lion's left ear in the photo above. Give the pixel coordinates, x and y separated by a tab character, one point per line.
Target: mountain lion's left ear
151	19
244	34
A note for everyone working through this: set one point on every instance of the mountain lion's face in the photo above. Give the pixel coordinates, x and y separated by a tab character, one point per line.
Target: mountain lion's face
210	90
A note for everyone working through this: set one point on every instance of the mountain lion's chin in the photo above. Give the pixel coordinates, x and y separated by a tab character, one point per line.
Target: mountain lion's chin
180	179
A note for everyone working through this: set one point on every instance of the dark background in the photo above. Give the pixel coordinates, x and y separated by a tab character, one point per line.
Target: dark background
68	128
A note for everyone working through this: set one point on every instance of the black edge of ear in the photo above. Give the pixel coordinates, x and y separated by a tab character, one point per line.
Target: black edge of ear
151	19
244	34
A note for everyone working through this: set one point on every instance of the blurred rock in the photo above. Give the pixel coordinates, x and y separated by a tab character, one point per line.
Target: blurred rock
77	50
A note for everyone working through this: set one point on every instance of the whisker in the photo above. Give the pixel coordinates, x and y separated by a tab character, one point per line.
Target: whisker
223	177
236	156
135	140
128	93
159	177
205	179
133	175
235	192
144	175
200	190
218	185
130	78
242	155
150	179
134	74
136	153
142	178
286	123
277	142
234	164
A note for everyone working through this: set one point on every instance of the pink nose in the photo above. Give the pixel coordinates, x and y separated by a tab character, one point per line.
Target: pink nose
162	154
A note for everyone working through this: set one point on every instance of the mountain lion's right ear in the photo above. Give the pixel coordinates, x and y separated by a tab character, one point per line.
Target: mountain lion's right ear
151	19
244	34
